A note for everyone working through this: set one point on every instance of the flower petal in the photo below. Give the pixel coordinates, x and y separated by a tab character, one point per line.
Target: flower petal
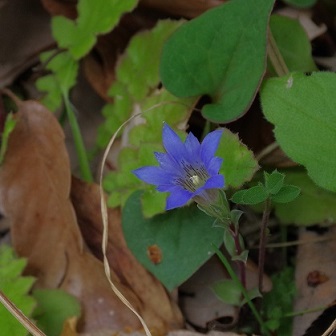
172	143
209	145
167	164
153	175
215	182
214	165
166	187
178	198
193	147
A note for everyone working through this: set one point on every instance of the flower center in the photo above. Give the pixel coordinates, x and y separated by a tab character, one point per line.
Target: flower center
194	177
196	181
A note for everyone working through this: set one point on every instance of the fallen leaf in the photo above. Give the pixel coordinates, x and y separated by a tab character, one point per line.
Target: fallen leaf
199	303
157	308
317	257
34	194
69	327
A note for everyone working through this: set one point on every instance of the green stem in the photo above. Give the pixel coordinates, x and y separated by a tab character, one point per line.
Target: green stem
262	243
78	140
307	311
283	234
275	56
242	288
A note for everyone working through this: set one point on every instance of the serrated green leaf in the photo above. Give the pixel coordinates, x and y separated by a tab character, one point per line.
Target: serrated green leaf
16	288
136	83
239	164
315	205
302	108
286	194
211	54
153	201
144	140
139	67
122	183
64	74
293	44
183	236
94	18
160	107
228	291
115	114
274	182
254	195
54	307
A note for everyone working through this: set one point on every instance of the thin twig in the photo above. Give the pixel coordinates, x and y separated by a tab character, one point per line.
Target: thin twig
297	242
275	56
22	318
267	150
240	263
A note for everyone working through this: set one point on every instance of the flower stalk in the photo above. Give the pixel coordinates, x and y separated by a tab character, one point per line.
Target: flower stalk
262	244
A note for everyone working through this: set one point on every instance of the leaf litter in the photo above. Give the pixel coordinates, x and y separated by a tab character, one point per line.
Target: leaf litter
35	177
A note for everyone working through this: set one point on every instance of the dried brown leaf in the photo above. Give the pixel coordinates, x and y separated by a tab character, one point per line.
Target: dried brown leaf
159	312
314	259
69	327
34	194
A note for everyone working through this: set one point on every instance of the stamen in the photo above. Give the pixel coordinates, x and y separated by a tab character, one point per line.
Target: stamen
194	178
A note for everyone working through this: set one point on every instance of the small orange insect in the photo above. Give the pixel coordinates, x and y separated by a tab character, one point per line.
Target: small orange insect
154	254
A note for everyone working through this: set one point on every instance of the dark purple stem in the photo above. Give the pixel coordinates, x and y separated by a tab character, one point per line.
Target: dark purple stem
262	243
239	250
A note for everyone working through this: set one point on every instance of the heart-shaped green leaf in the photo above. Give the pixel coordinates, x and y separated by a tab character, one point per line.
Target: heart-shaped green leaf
302	108
293	44
222	54
179	239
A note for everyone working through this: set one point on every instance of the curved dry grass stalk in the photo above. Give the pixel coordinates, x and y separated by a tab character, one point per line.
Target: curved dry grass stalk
105	229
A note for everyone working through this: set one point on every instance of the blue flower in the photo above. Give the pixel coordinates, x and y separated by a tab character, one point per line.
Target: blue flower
187	170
